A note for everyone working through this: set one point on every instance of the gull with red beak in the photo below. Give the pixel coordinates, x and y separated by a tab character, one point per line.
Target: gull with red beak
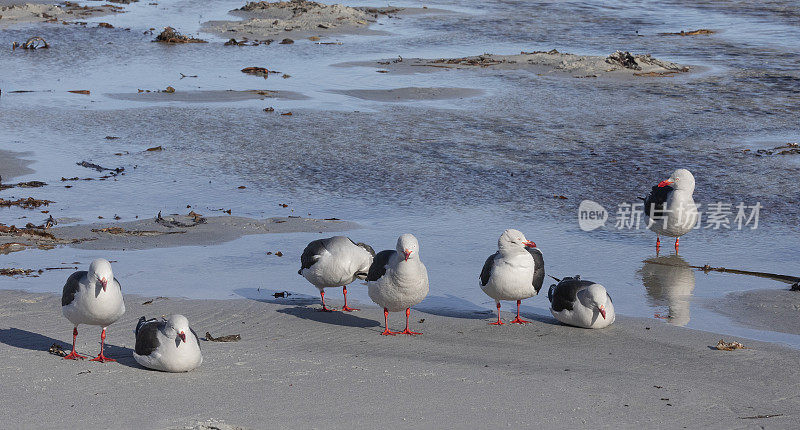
398	280
514	272
580	303
670	207
93	298
335	262
169	344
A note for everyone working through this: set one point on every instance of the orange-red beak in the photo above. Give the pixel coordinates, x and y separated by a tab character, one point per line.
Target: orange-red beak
407	253
664	183
104	281
603	311
530	244
182	335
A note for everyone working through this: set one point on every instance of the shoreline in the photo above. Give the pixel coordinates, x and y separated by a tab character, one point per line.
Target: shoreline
293	357
13	165
165	231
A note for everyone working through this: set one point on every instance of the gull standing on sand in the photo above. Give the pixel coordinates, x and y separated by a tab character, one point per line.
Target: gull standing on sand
169	345
671	208
92	298
398	280
335	262
580	303
514	272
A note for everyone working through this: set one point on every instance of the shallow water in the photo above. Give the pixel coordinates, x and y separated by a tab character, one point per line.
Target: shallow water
454	172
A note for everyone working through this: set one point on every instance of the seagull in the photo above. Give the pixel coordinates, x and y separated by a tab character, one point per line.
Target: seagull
335	262
581	303
398	280
514	272
93	298
169	345
671	208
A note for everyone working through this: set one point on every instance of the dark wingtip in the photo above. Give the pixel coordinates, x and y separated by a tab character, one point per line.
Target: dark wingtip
300	272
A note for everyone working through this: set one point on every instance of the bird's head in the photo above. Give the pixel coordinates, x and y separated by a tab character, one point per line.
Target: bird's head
100	272
680	179
408	246
597	298
177	327
514	239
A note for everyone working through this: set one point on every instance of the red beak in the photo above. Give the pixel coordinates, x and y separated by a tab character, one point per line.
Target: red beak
104	281
664	183
530	244
407	253
182	335
603	312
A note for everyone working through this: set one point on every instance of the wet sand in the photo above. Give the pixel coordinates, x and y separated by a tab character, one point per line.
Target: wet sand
774	310
617	64
21	12
207	96
334	370
411	94
13	165
170	231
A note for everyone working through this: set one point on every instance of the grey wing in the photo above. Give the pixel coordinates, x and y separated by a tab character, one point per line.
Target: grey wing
146	339
486	272
71	287
565	294
655	201
363	245
367	247
142	321
378	267
196	338
538	268
312	253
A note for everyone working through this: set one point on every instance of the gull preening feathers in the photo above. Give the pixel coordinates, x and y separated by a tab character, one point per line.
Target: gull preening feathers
670	207
335	262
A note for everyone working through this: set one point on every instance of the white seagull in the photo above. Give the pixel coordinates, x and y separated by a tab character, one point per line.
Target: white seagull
514	272
581	303
93	298
169	345
335	262
671	208
398	280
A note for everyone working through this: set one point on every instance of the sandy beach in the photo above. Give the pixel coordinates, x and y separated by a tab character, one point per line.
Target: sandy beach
202	171
299	368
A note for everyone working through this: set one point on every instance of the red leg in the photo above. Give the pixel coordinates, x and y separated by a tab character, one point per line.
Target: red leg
658	245
324	309
74	355
676	244
407	331
346	308
387	332
102	358
518	320
498	316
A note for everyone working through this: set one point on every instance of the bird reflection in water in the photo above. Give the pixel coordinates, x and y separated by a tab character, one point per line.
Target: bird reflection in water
669	281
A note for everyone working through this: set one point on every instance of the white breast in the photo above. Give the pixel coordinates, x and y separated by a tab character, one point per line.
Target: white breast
404	285
93	306
511	277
